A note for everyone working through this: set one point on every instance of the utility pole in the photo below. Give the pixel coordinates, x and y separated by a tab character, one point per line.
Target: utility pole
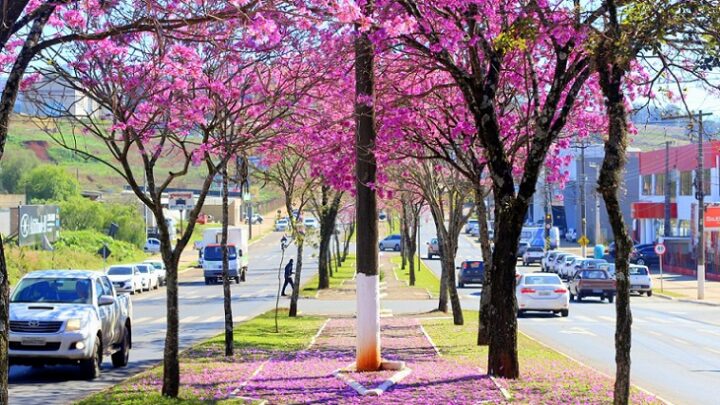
548	212
700	196
583	208
668	229
597	232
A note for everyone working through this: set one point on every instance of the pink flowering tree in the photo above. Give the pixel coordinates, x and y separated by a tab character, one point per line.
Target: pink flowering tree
31	26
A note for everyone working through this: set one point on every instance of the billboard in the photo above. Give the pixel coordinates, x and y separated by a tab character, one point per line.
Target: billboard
181	201
712	218
38	223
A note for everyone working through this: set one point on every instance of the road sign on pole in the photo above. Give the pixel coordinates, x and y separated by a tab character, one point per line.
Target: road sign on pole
660	249
583	241
181	201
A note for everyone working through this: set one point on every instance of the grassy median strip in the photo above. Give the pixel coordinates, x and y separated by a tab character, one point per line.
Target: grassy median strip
346	271
424	278
546	375
206	375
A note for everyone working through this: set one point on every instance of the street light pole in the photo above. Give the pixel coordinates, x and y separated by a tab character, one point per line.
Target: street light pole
667	231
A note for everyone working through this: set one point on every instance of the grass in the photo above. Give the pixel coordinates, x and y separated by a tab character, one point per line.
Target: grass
346	271
205	372
545	373
424	278
76	250
669	293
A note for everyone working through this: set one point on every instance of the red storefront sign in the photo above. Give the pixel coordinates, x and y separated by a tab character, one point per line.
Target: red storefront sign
652	210
712	218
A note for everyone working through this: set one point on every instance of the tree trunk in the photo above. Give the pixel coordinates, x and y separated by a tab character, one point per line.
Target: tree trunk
298	270
171	364
502	353
4	325
443	299
7	103
337	250
404	237
608	185
483	335
448	264
323	260
346	243
368	356
227	298
328	214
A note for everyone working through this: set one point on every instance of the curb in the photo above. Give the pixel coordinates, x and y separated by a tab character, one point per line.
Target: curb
567	356
688	300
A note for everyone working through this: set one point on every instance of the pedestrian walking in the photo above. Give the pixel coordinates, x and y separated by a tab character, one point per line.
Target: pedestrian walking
288	277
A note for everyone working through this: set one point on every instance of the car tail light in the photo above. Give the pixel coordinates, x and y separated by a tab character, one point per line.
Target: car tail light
527	290
464	265
560	290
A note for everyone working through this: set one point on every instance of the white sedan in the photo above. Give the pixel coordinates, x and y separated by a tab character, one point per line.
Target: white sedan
542	292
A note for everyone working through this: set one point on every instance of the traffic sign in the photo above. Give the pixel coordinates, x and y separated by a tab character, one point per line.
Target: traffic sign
583	241
104	252
660	249
181	201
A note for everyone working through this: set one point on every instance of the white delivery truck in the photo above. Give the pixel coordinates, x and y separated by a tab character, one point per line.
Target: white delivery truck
212	254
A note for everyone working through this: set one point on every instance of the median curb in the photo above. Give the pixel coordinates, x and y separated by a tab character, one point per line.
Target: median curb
688	300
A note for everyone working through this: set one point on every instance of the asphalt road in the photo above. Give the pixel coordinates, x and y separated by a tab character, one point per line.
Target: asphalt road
675	345
201	316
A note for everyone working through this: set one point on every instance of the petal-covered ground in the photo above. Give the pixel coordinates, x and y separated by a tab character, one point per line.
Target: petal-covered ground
307	376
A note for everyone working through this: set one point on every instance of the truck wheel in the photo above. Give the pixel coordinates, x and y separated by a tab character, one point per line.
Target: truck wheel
564	313
578	297
461	285
649	293
120	358
237	280
91	367
207	281
611	298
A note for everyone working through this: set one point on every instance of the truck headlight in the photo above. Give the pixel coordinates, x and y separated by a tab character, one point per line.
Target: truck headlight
73	325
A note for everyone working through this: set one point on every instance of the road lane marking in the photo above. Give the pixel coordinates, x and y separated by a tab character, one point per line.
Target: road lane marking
658	320
682	342
607	318
214	319
141	320
239	319
577	331
709	331
710	349
189	319
584	318
162	319
652	332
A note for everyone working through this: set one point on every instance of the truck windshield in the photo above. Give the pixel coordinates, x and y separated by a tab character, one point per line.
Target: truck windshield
215	253
53	290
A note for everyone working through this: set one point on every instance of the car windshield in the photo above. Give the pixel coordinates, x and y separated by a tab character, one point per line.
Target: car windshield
53	290
638	271
391	237
595	275
143	269
120	271
536	280
215	253
157	266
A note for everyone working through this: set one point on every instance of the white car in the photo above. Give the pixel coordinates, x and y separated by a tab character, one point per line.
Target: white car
542	292
159	270
566	269
571	235
640	280
547	259
125	278
150	278
152	245
311	223
533	254
470	224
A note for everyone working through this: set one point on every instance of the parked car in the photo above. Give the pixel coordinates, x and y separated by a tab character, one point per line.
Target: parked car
522	247
640	280
474	230
69	317
151	281
533	254
566	269
644	255
391	242
311	223
592	283
554	266
282	225
434	248
471	272
152	245
548	258
541	292
470	224
125	278
256	219
159	270
571	235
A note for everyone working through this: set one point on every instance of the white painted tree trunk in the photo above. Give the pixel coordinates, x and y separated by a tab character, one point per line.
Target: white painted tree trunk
368	323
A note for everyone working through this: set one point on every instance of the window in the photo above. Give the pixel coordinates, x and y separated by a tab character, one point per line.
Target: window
647	184
98	290
660	184
686	183
107	286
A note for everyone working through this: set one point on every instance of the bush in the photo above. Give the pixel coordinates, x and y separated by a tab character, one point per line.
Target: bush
47	182
79	213
12	168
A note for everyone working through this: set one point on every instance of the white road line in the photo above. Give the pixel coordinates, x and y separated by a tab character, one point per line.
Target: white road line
584	318
162	319
239	319
141	320
682	342
710	349
189	319
214	319
658	320
652	332
607	318
709	331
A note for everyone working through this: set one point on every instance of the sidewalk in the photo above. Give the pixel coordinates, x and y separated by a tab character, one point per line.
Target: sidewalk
684	288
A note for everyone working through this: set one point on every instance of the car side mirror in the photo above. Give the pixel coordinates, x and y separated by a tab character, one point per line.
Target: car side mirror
106	300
